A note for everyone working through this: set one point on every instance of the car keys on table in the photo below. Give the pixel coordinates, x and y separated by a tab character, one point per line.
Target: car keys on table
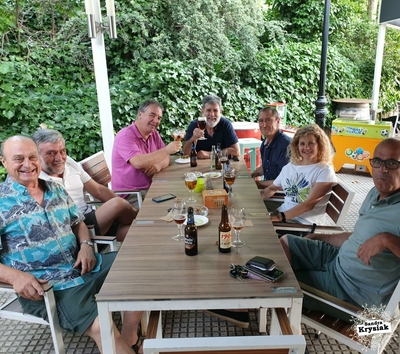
237	271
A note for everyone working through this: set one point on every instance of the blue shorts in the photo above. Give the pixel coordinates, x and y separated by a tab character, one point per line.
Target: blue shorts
313	263
76	307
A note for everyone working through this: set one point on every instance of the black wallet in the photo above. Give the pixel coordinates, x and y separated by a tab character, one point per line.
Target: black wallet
262	263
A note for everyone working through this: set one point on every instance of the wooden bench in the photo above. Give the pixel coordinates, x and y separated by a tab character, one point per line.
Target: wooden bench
276	344
338	205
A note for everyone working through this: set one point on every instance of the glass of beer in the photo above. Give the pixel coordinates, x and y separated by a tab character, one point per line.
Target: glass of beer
179	218
237	218
191	183
201	124
179	135
229	177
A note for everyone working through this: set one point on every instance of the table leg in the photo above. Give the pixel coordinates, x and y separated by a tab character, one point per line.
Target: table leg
295	315
262	320
106	328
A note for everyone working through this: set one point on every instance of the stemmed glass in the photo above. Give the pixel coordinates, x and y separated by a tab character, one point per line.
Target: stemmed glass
223	158
179	218
191	183
178	135
237	218
201	124
229	177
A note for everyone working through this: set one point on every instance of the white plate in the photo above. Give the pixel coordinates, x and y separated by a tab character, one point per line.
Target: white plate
182	160
196	173
213	174
199	220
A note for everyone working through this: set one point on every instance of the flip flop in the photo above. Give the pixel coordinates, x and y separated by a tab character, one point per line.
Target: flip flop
137	345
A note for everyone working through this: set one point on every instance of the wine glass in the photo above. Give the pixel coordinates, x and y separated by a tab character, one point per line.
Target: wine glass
179	218
237	218
178	135
201	124
229	177
191	183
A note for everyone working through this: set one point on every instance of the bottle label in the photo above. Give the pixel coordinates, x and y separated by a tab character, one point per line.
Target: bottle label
190	242
225	239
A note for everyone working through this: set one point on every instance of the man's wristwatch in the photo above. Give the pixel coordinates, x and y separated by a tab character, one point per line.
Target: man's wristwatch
90	243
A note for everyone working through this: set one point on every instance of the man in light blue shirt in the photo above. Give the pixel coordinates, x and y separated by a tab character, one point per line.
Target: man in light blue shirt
44	240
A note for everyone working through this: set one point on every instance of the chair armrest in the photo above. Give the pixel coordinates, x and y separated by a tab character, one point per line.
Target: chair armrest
305	228
126	192
9	288
329	299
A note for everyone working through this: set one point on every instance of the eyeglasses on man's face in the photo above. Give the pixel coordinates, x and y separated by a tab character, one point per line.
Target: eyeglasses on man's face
390	164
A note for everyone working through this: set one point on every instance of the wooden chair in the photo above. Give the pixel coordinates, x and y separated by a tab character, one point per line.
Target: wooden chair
341	330
287	343
13	310
97	168
338	205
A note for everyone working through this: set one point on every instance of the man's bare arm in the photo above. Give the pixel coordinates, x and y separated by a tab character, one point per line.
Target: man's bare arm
24	284
143	161
335	240
377	244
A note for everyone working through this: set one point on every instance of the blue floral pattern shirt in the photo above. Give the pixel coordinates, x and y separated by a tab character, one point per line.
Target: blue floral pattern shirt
37	239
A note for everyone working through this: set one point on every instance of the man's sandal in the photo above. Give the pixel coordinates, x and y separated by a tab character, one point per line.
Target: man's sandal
136	347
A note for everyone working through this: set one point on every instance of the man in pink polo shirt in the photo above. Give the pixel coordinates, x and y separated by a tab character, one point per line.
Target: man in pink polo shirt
139	151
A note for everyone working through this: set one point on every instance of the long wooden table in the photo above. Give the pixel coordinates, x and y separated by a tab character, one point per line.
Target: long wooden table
152	272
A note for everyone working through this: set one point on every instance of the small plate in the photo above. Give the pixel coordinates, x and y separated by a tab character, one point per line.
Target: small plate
196	173
182	160
213	174
199	220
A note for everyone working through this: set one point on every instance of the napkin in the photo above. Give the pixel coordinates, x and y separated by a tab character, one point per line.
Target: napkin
168	217
248	223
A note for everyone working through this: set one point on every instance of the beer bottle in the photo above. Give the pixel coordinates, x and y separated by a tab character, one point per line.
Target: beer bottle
224	232
193	156
190	234
218	164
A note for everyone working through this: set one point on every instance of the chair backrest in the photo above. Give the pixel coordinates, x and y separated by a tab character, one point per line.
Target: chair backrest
97	168
339	203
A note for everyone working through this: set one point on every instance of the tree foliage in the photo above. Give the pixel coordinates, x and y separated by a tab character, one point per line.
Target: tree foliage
177	51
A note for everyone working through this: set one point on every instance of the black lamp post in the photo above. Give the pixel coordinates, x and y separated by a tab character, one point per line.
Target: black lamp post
321	103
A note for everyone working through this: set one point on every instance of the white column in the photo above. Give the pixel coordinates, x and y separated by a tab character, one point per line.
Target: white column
102	87
378	65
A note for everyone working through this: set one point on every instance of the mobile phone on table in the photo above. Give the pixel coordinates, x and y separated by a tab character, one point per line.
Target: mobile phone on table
163	198
272	275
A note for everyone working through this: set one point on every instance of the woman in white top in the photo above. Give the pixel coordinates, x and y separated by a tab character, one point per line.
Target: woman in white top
306	180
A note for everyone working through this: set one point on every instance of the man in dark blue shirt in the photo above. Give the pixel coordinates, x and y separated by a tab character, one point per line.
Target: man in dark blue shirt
218	130
273	148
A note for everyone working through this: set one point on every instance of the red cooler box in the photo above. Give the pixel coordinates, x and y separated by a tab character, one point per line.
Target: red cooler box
247	130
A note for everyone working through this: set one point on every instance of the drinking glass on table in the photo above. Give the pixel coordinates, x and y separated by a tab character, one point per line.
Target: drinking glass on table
191	183
230	177
179	135
179	218
237	218
201	124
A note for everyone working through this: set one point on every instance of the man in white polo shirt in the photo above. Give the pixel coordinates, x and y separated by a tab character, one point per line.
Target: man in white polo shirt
114	217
